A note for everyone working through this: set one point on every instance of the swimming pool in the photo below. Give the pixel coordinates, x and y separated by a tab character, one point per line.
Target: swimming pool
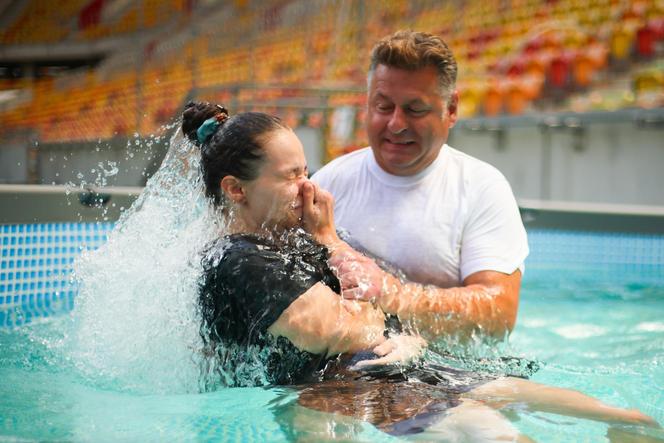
592	312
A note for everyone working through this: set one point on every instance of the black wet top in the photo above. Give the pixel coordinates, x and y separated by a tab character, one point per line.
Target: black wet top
248	282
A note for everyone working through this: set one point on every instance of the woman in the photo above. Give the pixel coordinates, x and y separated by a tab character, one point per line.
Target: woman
274	278
271	306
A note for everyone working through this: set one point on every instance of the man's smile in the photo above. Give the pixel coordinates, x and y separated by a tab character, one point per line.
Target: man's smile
397	142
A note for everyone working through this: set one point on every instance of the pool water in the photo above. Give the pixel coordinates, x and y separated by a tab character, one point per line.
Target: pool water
598	329
124	364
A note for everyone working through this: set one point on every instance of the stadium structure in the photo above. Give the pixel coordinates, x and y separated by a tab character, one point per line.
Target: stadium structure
566	97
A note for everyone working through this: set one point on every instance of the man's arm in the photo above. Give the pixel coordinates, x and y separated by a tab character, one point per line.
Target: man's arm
487	302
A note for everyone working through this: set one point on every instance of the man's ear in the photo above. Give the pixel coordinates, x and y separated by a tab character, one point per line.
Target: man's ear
452	107
233	189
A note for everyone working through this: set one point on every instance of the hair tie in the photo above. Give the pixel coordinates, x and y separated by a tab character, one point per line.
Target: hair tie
210	126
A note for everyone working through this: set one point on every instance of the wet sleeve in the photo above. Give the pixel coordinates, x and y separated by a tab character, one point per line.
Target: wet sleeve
257	286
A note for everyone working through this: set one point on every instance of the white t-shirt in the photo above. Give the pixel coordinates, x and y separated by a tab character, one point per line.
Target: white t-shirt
455	218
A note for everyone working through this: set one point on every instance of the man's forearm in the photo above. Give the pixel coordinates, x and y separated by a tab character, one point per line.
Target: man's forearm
487	302
434	311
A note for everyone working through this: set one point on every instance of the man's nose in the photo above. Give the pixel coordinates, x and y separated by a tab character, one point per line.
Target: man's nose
397	123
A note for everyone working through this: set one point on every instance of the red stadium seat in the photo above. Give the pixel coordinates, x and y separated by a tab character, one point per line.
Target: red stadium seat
559	70
645	41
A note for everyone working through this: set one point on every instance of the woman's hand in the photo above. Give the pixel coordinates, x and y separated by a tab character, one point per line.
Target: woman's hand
318	215
360	277
398	349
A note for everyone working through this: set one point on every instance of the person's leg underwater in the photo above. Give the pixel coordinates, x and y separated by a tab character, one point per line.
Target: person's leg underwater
472	421
555	400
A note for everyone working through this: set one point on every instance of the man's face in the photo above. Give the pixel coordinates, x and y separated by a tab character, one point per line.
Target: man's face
274	198
407	119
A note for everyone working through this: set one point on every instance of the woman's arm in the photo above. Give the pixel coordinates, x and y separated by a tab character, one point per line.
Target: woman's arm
321	322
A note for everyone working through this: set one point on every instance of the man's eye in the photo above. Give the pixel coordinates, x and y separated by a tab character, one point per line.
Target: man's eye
418	111
383	107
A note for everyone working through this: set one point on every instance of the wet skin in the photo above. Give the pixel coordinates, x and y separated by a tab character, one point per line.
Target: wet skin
407	119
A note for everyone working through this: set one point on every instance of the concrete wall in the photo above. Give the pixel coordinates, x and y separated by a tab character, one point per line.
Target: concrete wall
14	162
618	163
312	141
90	162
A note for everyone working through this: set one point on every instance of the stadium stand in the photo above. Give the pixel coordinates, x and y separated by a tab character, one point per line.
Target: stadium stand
49	22
514	57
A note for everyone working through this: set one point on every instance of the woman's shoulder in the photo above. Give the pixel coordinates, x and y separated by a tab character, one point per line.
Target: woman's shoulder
240	242
234	247
291	259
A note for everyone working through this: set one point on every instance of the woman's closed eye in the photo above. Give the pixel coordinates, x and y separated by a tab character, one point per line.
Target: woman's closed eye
297	173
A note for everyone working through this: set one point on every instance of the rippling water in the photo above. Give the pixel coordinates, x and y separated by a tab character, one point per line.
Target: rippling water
606	340
125	365
600	331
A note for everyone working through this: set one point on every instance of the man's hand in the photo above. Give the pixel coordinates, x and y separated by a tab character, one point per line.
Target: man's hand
398	349
360	276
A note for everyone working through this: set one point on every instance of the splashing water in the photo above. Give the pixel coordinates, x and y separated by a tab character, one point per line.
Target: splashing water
136	324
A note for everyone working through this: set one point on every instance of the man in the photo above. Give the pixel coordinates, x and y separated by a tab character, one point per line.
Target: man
447	220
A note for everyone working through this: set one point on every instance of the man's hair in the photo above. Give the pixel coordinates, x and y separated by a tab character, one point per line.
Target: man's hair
412	51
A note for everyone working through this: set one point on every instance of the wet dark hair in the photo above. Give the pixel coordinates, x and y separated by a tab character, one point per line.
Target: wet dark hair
235	148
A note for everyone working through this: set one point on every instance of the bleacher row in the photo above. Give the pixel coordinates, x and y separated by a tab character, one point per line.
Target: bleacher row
84	20
513	56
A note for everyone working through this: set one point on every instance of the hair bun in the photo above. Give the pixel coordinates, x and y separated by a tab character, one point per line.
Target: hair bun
195	114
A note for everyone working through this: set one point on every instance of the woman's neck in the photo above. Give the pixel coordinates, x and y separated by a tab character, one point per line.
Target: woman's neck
237	224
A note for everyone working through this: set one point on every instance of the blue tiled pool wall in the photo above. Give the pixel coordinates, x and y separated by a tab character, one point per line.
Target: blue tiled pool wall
35	265
36	259
549	247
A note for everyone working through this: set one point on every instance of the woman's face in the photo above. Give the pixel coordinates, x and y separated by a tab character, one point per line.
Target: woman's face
274	198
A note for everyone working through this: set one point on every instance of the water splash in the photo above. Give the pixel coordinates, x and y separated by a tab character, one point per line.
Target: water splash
135	325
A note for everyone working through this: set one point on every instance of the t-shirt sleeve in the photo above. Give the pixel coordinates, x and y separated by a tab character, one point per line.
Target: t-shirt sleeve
253	288
494	238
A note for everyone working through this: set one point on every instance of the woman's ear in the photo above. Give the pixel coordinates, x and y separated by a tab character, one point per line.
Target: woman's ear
233	189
